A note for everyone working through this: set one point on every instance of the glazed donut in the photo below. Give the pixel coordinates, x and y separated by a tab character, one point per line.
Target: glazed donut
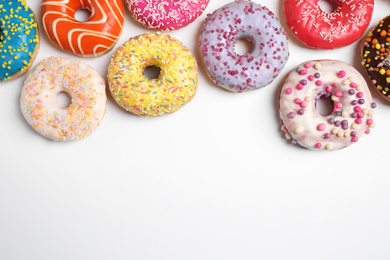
19	39
221	30
177	82
92	38
323	30
352	105
376	60
83	84
166	15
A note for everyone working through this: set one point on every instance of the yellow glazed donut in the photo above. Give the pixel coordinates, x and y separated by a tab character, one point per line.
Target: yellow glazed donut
175	86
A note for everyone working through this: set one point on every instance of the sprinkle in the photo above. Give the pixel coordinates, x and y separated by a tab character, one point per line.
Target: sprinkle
321	127
341	74
298	130
288	91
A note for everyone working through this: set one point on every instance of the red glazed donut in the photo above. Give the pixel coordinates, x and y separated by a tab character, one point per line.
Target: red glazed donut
322	30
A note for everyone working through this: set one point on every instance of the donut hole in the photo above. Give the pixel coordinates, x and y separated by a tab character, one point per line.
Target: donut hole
152	72
325	105
243	46
328	6
63	99
82	15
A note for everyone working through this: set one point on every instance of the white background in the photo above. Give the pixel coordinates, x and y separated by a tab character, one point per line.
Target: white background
215	180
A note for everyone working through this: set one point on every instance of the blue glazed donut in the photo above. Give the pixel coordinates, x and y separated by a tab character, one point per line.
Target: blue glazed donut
19	38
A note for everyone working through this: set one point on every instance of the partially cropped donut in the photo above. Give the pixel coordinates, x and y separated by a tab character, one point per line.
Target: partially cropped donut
175	86
352	114
19	39
220	32
376	61
322	30
166	15
83	84
91	38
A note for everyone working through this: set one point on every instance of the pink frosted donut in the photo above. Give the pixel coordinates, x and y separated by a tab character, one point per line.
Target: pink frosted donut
235	72
166	15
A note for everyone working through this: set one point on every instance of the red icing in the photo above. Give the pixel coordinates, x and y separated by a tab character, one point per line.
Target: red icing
322	30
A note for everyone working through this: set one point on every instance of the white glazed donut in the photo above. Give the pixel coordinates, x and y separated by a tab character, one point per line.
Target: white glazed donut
352	112
83	84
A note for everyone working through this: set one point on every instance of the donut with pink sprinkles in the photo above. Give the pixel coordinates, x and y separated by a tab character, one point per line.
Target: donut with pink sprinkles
350	117
254	70
166	15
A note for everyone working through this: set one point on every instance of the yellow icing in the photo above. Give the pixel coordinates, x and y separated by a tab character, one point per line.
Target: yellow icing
134	92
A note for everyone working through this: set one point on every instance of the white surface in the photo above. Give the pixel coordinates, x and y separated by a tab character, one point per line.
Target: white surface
215	180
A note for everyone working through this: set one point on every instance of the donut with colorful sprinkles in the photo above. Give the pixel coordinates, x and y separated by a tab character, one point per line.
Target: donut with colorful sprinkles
376	61
352	113
166	15
175	86
322	30
243	20
83	84
19	38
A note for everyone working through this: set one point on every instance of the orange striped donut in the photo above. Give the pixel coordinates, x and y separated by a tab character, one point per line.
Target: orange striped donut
91	38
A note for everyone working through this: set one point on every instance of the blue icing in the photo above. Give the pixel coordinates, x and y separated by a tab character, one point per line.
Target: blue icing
19	37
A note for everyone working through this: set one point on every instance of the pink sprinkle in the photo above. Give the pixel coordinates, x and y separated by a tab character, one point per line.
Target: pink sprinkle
341	74
288	91
358	121
303	72
311	77
318	145
307	65
328	89
297	101
368	131
338	104
359	94
321	127
357	109
360	115
369	122
335	110
319	83
338	94
352	85
304	104
355	139
299	86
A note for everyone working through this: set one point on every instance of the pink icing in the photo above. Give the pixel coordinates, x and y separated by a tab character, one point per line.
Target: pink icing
166	14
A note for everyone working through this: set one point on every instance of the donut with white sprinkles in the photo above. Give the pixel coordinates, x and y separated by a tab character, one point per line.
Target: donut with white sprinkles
166	15
322	30
220	32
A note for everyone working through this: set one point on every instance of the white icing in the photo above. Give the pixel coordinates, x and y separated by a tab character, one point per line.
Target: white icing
303	128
